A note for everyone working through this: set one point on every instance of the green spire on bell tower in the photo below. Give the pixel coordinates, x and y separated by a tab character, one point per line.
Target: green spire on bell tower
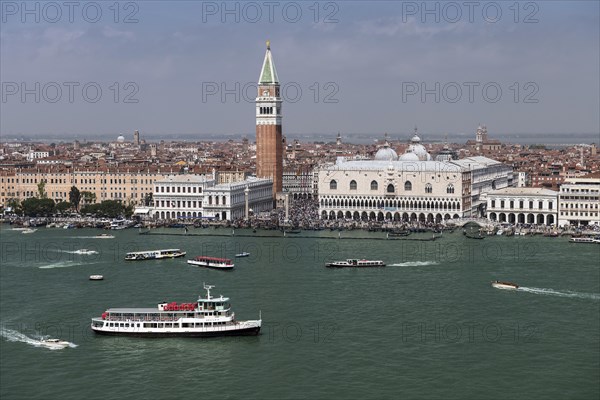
268	74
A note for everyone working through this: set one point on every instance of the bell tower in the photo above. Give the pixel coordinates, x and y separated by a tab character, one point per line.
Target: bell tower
269	141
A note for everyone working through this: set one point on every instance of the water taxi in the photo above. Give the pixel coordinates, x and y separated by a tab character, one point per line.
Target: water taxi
579	239
208	316
96	277
54	343
355	263
504	285
242	254
211	262
154	254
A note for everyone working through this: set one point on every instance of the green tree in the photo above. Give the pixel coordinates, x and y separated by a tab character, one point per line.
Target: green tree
63	206
148	199
34	207
42	189
88	197
75	197
15	206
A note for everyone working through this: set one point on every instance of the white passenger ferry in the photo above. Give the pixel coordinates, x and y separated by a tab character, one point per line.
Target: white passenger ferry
585	239
209	316
212	262
154	254
355	263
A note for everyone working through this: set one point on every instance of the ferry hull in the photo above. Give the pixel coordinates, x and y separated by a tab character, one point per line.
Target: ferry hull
251	331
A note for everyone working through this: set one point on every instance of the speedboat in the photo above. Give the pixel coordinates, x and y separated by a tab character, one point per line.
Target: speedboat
505	285
355	263
242	254
96	277
84	252
25	231
54	343
104	236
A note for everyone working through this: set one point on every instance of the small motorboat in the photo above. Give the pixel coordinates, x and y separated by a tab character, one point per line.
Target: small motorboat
96	277
85	252
242	254
505	285
55	343
104	236
25	231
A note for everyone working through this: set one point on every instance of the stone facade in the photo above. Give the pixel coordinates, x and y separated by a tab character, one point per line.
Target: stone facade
579	201
523	206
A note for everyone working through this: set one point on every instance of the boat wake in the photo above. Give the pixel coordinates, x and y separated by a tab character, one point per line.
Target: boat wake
64	264
16	336
414	264
566	293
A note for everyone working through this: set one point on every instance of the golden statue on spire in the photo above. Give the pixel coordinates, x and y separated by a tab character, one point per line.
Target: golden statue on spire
268	44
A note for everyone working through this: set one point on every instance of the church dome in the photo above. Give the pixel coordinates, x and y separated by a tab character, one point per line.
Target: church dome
386	153
418	149
409	156
121	139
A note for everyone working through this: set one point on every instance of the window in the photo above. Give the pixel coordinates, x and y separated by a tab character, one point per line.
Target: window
333	185
374	185
407	186
493	203
391	188
450	188
428	188
353	185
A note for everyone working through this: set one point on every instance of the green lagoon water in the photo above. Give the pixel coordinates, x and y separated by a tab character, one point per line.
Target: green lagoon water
428	326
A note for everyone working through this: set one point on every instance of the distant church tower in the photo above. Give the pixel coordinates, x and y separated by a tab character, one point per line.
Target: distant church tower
269	141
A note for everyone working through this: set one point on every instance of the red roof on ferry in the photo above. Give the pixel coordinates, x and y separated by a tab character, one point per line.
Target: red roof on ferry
202	258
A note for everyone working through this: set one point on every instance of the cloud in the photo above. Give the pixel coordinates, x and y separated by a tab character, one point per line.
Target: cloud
411	28
112	33
57	41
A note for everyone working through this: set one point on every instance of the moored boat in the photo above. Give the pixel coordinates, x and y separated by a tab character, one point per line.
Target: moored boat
211	262
208	316
154	254
505	285
353	262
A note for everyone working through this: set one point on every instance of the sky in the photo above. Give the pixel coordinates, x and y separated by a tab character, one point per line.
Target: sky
94	69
